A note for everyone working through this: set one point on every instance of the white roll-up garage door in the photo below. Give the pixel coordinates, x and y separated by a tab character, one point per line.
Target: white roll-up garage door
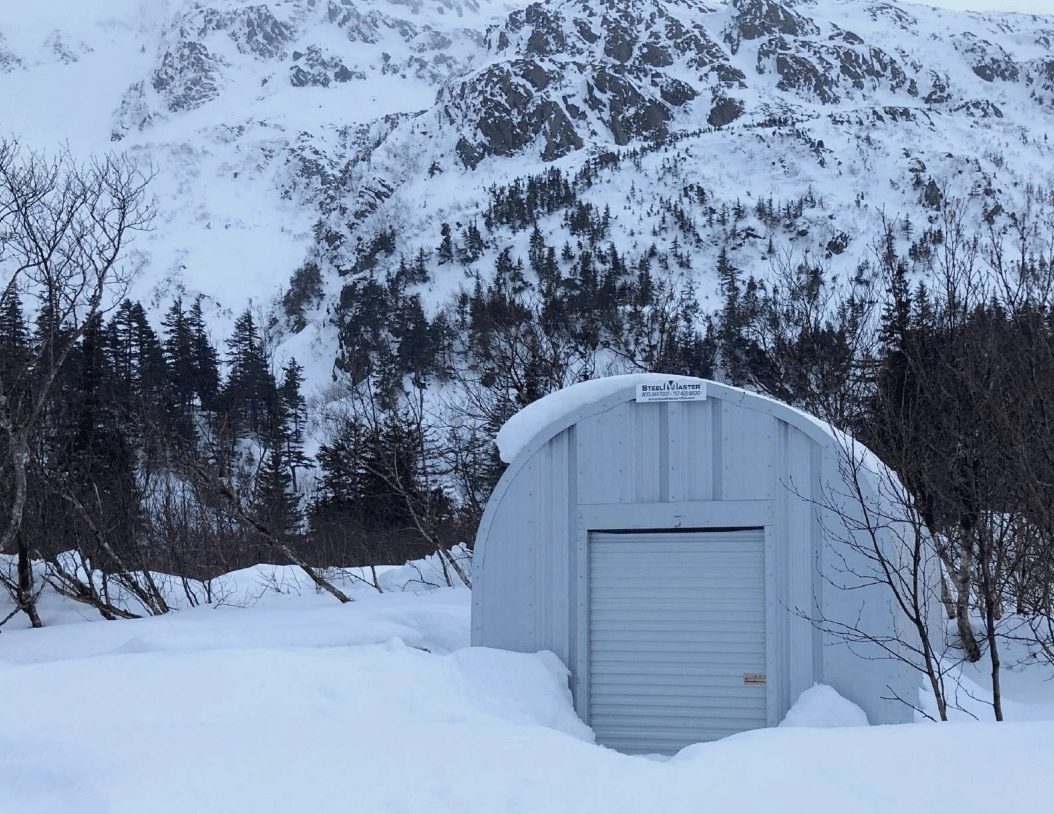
677	637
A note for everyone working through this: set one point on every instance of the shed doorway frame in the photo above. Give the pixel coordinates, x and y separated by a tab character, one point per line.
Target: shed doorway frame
641	517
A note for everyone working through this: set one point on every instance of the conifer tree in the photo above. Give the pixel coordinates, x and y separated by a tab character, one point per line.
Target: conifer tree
445	252
206	367
137	358
294	417
536	252
337	495
14	339
93	457
416	350
473	245
275	504
733	319
250	395
178	348
419	269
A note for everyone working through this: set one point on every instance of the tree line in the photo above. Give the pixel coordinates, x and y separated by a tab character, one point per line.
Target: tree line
128	453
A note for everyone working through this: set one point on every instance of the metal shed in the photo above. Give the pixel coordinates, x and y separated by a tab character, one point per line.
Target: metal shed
666	537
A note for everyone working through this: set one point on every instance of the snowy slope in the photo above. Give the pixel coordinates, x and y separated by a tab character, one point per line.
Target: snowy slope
296	130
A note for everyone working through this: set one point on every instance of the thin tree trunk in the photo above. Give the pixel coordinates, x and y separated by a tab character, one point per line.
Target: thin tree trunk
967	640
462	575
312	572
946	597
27	600
78	590
993	655
18	449
151	598
991	616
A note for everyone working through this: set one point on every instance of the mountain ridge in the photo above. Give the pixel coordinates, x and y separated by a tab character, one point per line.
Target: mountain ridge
300	131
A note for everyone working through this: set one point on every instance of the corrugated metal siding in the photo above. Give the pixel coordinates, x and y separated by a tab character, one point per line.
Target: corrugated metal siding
625	458
748	454
691	445
676	619
527	593
797	558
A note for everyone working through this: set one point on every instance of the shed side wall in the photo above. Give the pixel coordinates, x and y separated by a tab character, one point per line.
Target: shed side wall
527	586
865	673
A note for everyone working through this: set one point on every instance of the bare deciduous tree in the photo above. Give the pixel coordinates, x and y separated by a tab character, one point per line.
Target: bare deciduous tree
879	538
964	412
64	231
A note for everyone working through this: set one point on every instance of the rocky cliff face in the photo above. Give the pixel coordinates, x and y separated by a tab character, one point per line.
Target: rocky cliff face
363	116
569	74
554	77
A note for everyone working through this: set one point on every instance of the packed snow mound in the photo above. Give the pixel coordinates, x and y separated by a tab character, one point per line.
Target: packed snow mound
522	689
532	419
822	706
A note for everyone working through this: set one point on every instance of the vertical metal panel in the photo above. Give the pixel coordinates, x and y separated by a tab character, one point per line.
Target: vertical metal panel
818	578
553	491
506	584
775	612
527	589
580	666
691	450
622	455
795	514
603	456
648	464
779	587
748	454
717	435
676	621
565	543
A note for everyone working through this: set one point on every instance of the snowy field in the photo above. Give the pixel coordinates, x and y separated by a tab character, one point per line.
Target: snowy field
285	701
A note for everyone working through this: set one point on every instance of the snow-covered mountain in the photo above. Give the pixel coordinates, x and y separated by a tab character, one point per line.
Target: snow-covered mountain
283	132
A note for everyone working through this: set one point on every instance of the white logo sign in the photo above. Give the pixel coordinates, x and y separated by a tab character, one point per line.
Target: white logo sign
671	390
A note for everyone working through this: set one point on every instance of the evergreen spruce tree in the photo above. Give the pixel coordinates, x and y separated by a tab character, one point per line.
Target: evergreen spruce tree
364	319
275	504
93	454
415	350
504	268
294	417
250	396
137	359
733	319
178	348
419	269
536	252
473	244
338	495
14	341
206	366
445	252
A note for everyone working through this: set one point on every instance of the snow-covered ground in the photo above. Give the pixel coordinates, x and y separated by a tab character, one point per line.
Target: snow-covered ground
289	702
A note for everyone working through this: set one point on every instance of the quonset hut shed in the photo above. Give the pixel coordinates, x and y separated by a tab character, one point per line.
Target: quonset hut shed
666	538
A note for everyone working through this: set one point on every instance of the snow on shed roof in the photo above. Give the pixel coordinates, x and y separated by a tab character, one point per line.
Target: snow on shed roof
535	417
522	427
